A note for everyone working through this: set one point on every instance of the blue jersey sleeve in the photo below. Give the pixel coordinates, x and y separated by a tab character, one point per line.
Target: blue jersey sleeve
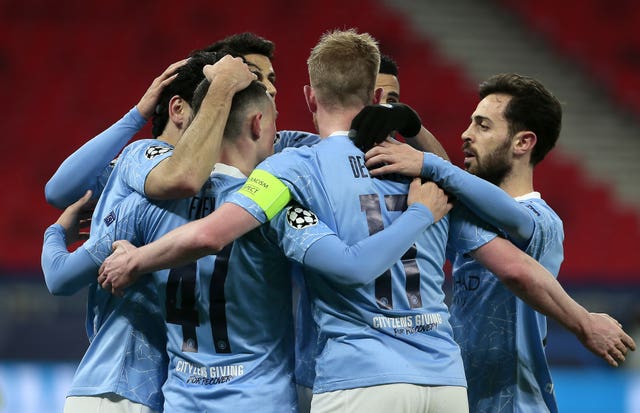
359	264
85	168
467	232
486	200
138	159
65	273
264	187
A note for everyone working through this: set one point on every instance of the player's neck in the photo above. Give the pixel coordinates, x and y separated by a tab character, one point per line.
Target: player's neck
238	156
330	121
519	182
170	134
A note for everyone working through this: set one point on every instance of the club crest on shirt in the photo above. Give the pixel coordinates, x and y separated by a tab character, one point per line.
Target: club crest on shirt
155	150
110	218
300	218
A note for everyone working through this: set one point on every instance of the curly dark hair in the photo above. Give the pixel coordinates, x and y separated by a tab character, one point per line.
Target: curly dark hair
243	44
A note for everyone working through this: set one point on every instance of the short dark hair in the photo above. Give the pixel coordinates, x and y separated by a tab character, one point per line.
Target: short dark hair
189	76
532	107
388	66
242	44
255	93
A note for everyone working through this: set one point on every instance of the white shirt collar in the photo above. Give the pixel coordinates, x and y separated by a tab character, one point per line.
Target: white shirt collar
530	195
224	169
339	133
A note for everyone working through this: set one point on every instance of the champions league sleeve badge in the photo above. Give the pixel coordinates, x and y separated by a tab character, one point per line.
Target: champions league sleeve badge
155	150
300	218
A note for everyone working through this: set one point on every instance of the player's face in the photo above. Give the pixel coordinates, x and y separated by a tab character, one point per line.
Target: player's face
487	142
390	88
261	66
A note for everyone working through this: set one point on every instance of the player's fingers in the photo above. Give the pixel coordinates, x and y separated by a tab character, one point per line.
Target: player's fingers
373	152
80	203
168	80
621	347
617	354
381	169
608	356
87	196
449	207
117	245
388	144
415	184
173	66
375	160
628	342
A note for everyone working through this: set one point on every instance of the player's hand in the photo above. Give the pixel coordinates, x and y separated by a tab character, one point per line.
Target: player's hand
430	195
393	157
117	272
231	71
76	219
606	338
375	123
147	104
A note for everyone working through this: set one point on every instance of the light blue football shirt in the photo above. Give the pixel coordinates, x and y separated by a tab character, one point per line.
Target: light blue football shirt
229	316
395	329
126	354
502	339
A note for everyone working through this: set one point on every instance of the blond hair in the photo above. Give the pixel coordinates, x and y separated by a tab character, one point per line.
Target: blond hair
343	67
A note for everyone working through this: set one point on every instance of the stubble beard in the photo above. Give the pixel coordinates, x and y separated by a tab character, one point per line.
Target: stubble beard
495	166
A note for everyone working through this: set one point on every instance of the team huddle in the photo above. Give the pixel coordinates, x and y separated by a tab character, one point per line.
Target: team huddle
232	267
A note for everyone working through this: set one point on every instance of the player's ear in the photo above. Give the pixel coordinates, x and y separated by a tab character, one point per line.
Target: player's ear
310	98
524	142
377	95
256	127
178	112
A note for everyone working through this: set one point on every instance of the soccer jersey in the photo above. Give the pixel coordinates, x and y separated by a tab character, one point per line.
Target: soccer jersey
396	328
501	338
229	324
126	355
129	175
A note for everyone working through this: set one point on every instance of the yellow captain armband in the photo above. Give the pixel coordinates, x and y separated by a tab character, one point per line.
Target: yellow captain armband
267	191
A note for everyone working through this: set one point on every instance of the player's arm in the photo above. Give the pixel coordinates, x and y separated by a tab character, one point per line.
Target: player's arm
361	263
81	170
530	281
260	199
486	200
184	244
183	173
65	273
